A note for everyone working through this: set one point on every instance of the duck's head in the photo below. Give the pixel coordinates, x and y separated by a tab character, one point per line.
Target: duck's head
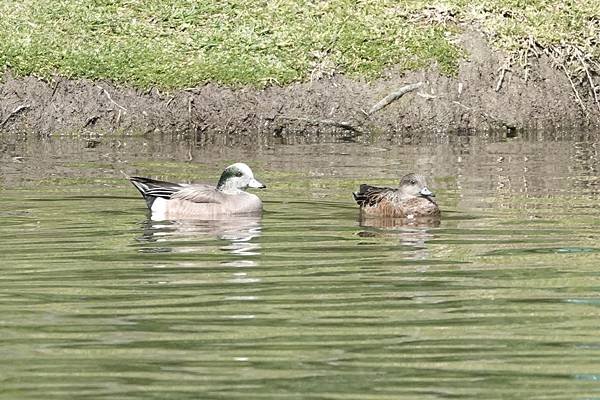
237	177
413	185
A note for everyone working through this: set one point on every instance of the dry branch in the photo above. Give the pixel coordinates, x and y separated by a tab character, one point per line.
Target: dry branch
394	96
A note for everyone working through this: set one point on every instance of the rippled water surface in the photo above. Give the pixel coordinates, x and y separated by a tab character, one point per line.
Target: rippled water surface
500	301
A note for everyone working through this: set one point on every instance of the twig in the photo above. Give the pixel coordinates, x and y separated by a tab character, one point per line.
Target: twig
502	69
55	89
118	121
110	98
394	96
426	96
344	125
226	128
14	112
462	105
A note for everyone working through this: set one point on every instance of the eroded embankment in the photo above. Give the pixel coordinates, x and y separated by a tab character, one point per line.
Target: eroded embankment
481	96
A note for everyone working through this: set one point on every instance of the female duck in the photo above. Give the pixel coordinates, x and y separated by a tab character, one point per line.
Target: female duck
411	199
168	200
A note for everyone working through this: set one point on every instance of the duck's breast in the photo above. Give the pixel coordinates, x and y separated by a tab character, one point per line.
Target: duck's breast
414	207
420	207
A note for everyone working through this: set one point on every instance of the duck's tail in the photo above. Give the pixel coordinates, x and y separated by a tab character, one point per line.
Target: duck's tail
151	188
368	195
362	196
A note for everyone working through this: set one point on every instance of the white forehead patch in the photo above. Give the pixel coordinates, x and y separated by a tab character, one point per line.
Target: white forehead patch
243	168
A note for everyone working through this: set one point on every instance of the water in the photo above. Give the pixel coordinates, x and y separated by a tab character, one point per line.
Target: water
500	301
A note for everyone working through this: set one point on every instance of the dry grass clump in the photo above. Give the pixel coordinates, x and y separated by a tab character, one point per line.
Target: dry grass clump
568	32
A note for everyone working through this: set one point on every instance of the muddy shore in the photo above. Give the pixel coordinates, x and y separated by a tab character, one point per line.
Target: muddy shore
480	97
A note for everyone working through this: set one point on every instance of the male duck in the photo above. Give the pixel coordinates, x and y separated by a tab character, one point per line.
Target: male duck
410	200
168	200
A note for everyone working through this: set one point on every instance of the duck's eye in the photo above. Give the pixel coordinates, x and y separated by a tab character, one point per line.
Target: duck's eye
413	182
239	173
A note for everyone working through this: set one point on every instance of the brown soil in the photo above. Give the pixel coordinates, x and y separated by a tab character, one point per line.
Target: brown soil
468	101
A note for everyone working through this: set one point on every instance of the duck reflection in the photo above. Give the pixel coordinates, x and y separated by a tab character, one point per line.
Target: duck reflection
390	223
238	232
413	232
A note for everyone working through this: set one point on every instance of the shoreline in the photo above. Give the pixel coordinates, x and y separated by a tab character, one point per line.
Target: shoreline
482	96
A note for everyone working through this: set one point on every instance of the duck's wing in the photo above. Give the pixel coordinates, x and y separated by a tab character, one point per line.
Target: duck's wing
152	188
199	194
368	195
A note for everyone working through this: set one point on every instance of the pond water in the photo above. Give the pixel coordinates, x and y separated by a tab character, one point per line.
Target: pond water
500	301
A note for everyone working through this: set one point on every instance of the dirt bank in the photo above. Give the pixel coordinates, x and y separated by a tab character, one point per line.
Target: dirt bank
480	97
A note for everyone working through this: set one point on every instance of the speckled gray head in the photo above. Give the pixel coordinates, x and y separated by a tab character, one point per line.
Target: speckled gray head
415	185
238	177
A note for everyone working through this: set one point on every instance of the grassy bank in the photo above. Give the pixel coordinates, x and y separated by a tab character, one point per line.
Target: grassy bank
182	43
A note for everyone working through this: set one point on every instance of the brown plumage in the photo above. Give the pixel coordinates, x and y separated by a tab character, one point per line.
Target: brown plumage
411	199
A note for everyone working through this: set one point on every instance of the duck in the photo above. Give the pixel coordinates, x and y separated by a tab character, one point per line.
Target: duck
174	201
412	199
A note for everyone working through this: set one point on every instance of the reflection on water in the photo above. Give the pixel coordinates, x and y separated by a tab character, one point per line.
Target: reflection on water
499	299
406	235
239	232
391	223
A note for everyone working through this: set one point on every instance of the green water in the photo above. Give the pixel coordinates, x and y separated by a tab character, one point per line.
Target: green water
500	301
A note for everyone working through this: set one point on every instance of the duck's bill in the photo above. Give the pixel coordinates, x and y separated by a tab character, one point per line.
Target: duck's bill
256	184
426	192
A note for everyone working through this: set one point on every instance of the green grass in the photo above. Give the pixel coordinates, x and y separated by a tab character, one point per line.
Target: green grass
183	43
